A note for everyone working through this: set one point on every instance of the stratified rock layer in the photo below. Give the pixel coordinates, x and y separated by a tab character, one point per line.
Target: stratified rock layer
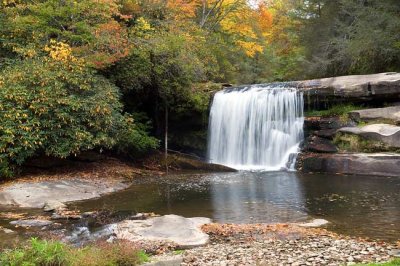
380	164
376	87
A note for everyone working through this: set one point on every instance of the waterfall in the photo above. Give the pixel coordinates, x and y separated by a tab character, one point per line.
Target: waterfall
256	127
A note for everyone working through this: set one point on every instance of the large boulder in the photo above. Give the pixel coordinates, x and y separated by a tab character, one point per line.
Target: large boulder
385	133
378	114
381	87
379	164
185	232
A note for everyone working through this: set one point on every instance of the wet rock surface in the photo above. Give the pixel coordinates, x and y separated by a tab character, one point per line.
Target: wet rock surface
320	145
379	164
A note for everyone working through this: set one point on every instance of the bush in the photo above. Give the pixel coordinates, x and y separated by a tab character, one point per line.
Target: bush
54	253
59	107
133	140
41	253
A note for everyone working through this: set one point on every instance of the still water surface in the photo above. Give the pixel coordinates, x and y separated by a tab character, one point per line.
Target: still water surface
364	206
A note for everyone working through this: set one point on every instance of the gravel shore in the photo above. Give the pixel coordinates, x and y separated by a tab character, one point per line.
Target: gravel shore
283	245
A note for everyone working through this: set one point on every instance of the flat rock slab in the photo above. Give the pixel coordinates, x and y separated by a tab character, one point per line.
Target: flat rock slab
385	133
389	113
185	232
314	223
31	223
378	164
37	194
356	86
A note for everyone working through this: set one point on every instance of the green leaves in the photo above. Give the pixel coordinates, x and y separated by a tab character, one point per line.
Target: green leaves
53	108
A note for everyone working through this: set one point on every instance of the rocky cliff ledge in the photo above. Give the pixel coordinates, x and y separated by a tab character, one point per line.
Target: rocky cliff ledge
345	132
358	88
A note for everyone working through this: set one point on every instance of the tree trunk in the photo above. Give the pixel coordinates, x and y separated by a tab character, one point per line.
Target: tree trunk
166	138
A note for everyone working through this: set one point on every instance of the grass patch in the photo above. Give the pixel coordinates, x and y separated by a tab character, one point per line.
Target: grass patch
395	262
335	110
54	253
353	143
178	252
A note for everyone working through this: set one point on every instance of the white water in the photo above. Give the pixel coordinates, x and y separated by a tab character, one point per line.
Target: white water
256	128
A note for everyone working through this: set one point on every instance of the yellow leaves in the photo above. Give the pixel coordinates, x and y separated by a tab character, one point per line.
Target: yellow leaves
143	25
59	51
25	52
250	48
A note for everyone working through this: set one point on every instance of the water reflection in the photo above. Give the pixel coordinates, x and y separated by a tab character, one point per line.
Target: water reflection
257	197
356	205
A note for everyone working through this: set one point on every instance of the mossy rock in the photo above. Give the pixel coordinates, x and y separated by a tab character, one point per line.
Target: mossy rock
354	143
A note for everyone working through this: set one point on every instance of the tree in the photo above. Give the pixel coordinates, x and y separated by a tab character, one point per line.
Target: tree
352	37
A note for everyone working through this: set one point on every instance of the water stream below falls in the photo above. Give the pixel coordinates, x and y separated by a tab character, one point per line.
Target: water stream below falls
256	127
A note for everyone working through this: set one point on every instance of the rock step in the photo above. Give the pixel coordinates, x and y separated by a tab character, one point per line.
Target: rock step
385	133
378	114
378	164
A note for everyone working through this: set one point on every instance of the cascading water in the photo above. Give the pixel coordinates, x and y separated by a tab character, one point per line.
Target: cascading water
256	128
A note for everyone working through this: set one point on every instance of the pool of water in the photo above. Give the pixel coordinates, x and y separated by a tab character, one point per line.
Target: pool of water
364	206
355	205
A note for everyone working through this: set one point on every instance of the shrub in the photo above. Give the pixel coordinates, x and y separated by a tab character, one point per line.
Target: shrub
38	252
55	107
54	253
133	139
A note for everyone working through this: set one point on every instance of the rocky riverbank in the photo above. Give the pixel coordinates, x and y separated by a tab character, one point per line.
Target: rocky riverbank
281	244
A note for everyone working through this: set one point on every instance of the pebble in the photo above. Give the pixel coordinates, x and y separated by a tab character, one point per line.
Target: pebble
324	250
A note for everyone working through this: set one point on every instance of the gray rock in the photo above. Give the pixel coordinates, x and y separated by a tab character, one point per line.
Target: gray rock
54	205
359	87
31	223
6	230
385	133
326	133
314	223
389	113
379	164
320	145
185	232
175	260
37	194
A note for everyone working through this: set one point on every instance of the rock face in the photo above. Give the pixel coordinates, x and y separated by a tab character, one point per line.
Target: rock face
37	194
352	88
389	113
185	232
380	164
321	145
387	134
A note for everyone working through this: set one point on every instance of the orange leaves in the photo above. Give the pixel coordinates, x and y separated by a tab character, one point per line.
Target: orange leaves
112	43
183	9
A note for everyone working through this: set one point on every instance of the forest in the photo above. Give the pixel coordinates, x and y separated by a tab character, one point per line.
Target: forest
79	75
